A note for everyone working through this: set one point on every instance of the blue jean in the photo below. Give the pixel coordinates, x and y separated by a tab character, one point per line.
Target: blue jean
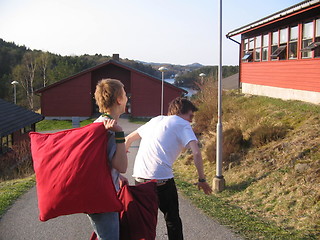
105	225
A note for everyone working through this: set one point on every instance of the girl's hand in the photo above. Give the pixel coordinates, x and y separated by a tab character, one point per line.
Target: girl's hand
111	124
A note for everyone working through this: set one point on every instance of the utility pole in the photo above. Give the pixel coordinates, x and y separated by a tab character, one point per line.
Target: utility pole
219	181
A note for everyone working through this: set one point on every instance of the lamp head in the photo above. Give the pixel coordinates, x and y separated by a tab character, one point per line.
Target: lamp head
162	69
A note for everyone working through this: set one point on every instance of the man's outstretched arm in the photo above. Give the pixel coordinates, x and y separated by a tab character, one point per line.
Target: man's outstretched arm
134	136
198	162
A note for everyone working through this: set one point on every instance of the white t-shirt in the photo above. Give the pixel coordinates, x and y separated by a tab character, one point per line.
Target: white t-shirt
162	140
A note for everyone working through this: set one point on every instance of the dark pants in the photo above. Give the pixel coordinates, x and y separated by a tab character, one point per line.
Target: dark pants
169	206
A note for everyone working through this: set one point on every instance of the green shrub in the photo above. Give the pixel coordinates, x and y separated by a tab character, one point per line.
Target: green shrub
233	144
265	134
207	103
201	118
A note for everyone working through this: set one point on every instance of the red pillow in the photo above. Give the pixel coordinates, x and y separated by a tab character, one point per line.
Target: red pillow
72	173
138	219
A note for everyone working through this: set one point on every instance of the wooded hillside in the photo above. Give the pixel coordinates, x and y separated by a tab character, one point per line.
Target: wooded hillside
34	69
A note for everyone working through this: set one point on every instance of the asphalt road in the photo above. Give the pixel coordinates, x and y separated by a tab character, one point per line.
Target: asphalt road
21	220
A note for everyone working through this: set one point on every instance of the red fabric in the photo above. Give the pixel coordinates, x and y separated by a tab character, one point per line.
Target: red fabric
72	173
138	219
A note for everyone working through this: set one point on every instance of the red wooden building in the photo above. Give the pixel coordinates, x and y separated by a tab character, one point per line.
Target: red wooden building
74	96
280	54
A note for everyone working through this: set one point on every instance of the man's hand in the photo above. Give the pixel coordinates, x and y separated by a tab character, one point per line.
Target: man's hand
111	124
205	187
134	136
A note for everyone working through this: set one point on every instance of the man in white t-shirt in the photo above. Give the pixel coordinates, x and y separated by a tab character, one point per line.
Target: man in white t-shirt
162	140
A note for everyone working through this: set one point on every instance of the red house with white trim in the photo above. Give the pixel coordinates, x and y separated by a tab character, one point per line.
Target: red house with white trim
280	54
74	96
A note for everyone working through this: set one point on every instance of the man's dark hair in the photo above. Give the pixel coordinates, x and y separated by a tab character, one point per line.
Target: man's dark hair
181	105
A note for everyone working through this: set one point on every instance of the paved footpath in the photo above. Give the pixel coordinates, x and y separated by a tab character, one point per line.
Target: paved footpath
21	220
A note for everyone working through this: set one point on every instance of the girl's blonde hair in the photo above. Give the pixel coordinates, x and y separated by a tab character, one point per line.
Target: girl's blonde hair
107	92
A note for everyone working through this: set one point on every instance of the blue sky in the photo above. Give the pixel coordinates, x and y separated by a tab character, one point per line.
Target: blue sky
166	31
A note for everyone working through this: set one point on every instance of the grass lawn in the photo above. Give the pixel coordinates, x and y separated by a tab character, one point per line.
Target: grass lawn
48	125
12	190
247	225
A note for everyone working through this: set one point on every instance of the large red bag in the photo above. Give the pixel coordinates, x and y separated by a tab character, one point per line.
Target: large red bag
138	219
72	173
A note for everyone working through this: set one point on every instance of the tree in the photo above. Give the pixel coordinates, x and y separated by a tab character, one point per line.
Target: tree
10	56
43	61
61	68
6	91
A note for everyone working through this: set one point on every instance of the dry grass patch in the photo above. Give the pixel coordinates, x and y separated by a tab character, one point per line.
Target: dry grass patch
271	159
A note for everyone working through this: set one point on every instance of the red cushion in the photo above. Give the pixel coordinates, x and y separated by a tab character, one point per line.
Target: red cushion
72	173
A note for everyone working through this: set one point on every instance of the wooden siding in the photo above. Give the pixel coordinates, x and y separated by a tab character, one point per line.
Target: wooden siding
112	71
146	95
72	98
294	74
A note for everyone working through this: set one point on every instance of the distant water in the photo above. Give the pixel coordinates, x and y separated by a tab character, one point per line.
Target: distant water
190	90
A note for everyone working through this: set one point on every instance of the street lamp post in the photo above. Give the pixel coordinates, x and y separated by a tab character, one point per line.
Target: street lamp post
14	83
219	181
162	70
202	75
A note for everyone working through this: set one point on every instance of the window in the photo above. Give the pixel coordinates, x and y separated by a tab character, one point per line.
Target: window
245	46
257	51
283	36
283	43
10	141
251	43
307	44
300	40
6	143
317	39
312	46
307	36
248	45
293	43
265	47
247	56
279	52
274	42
